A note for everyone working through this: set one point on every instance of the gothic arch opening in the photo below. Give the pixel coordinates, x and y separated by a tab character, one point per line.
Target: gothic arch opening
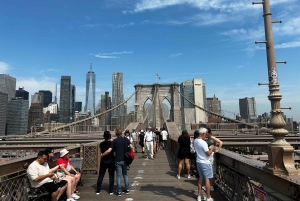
148	106
166	107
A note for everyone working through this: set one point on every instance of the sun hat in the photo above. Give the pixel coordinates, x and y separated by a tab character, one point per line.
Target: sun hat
142	131
63	152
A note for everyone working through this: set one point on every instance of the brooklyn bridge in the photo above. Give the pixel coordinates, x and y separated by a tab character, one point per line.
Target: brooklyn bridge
252	165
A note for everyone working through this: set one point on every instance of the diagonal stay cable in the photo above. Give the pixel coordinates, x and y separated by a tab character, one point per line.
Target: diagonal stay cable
215	114
89	118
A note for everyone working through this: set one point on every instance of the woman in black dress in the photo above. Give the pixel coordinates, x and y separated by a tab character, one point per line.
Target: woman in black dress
107	162
184	155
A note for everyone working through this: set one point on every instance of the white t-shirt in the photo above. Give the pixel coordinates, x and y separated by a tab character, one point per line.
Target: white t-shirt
34	170
201	148
164	135
134	136
148	136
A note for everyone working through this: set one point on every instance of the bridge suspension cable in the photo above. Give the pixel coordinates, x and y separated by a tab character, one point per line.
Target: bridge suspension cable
89	118
215	114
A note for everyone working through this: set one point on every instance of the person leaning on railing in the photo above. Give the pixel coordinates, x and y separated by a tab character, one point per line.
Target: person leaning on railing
68	168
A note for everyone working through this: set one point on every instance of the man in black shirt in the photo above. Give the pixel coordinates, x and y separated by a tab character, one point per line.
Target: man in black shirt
119	145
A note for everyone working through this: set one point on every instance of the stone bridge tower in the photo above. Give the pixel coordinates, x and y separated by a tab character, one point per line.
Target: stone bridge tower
161	92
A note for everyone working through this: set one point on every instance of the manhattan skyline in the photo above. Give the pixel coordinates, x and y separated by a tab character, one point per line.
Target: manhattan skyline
177	39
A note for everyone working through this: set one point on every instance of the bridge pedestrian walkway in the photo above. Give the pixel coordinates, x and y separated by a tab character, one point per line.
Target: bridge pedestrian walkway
149	180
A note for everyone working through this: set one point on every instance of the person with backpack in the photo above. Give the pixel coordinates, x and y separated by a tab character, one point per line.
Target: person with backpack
120	145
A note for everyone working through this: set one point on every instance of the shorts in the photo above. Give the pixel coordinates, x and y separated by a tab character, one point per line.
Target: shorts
205	170
52	187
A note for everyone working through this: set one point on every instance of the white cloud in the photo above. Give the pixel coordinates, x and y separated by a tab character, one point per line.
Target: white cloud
222	5
111	54
288	45
175	55
4	67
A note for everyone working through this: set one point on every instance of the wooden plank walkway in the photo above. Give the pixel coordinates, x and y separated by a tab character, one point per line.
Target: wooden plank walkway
149	180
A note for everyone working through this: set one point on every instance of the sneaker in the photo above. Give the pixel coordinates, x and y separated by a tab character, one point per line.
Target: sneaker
70	199
97	193
74	196
200	198
119	194
126	192
212	188
111	193
210	199
178	176
189	176
204	188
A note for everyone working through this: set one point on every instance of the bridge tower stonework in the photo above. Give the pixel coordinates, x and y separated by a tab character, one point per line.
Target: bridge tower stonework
159	92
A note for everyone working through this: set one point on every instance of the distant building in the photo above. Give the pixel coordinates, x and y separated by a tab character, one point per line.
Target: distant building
213	105
35	116
37	98
3	108
78	106
65	102
90	91
72	104
21	93
248	109
105	104
17	117
52	108
195	92
117	94
8	85
47	97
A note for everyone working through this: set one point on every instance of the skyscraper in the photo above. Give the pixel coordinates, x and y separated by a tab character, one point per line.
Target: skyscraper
47	97
8	85
17	116
194	90
90	91
3	108
213	105
21	93
78	106
65	102
72	103
247	108
117	94
104	106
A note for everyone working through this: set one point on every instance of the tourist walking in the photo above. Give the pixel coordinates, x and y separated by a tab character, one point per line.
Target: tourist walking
134	136
141	138
149	143
164	134
184	155
203	164
107	163
120	145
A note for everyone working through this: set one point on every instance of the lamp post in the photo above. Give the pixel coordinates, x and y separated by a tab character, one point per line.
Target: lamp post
280	152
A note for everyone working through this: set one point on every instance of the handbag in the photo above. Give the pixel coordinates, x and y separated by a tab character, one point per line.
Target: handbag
129	154
192	148
60	174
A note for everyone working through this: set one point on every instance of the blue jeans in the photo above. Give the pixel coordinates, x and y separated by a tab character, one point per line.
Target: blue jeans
121	167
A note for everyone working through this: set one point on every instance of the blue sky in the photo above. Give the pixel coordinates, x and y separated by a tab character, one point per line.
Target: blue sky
178	39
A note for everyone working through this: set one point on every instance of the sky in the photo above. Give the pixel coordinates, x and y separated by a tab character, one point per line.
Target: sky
177	39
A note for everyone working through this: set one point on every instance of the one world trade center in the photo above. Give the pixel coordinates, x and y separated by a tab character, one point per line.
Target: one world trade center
90	91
